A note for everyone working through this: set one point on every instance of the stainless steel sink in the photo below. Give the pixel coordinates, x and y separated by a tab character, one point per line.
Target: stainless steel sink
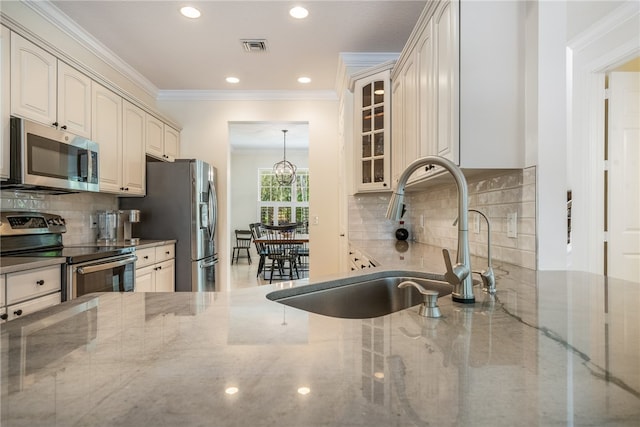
359	298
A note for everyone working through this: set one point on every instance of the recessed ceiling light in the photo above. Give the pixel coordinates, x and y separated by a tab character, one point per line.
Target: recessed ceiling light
299	12
190	12
304	80
231	390
304	390
232	80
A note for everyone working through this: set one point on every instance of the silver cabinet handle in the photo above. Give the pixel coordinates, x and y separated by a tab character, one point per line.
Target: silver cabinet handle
101	267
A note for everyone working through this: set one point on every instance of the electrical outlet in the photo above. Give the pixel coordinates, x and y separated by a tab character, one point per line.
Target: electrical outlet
512	225
316	220
92	221
422	221
476	224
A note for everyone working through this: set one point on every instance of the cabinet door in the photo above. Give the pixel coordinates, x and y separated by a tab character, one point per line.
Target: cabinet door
427	98
107	131
397	131
32	306
447	60
33	81
74	101
171	143
146	256
372	132
134	125
5	82
145	279
29	284
154	145
165	276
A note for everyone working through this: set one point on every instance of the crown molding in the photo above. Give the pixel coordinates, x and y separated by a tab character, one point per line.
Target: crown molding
366	59
246	95
51	13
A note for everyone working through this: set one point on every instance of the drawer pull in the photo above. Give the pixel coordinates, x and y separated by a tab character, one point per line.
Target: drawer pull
18	312
146	257
168	252
4	316
40	282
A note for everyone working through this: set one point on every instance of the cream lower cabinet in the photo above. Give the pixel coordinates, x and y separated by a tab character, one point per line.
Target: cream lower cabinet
458	90
31	290
155	269
359	260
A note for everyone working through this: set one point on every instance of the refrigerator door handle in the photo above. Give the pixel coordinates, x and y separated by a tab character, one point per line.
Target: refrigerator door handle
213	210
209	263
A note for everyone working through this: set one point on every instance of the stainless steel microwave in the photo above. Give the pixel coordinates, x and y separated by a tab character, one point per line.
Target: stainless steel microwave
50	160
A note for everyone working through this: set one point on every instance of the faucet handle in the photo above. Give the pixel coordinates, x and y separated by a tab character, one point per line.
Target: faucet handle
455	274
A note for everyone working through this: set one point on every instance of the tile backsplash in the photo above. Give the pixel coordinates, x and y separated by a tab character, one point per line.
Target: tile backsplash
75	208
432	211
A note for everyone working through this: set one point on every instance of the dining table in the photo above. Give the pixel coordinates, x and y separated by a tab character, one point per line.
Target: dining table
298	239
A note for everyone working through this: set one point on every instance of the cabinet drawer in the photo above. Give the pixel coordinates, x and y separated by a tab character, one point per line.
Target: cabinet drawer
165	252
146	257
31	306
32	283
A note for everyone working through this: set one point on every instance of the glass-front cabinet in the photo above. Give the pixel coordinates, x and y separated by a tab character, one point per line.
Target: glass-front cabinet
371	134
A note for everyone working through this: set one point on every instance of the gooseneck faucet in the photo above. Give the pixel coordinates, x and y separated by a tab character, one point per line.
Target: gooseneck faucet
459	275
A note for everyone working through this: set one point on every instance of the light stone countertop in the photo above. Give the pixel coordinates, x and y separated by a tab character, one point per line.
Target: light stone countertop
12	264
552	348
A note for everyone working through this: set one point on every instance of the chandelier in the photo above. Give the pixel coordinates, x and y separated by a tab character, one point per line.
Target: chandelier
284	170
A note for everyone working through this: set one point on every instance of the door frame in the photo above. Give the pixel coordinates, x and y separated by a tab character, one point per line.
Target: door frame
609	43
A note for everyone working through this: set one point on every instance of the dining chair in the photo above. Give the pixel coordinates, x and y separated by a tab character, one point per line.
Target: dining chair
282	251
243	243
256	231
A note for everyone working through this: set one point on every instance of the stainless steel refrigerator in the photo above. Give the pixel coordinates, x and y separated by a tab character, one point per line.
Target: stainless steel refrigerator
181	204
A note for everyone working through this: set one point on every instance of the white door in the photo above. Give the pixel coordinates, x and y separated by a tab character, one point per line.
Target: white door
623	258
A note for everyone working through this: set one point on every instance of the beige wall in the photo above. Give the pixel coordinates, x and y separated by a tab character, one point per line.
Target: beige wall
205	135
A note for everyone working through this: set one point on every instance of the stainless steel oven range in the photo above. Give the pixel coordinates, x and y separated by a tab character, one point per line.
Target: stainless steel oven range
89	268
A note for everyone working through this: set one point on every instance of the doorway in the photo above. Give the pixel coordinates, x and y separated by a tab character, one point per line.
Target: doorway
255	146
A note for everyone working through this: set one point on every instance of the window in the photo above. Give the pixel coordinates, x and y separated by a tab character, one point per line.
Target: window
278	204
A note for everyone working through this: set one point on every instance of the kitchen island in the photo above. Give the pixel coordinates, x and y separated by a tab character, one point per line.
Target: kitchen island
551	348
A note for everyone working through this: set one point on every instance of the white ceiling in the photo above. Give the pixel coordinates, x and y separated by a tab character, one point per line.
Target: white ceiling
178	54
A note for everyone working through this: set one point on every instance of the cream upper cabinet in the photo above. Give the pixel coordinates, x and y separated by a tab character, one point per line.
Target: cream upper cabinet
74	101
107	132
372	130
33	81
171	143
48	91
154	144
162	140
5	82
134	132
468	88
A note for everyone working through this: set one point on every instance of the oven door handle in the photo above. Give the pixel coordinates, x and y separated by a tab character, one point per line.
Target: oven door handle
100	267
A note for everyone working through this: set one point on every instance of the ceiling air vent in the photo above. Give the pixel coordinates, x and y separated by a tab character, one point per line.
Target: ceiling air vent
254	45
